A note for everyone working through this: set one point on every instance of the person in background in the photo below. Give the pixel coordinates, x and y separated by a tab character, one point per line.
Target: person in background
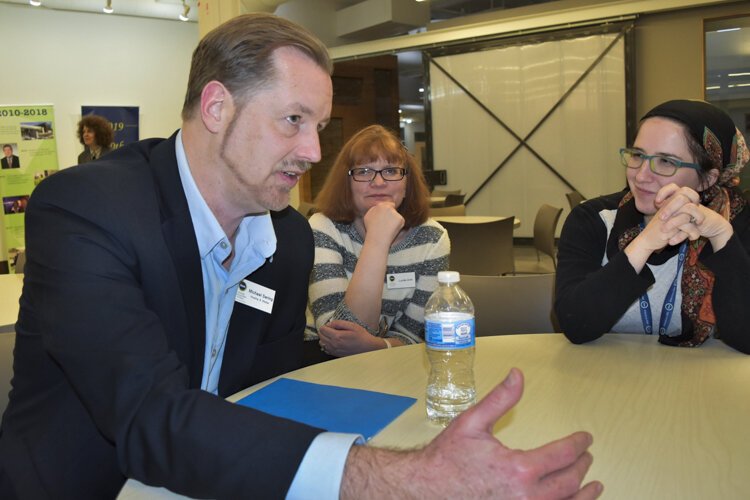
377	254
131	330
96	135
670	255
9	160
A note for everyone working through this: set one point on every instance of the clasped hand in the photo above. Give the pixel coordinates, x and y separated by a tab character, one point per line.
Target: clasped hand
343	338
681	216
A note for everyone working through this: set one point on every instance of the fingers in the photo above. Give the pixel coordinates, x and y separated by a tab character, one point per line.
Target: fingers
495	404
562	453
563	464
590	491
671	199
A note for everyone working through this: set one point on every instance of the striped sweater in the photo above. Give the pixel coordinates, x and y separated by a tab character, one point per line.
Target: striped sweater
423	251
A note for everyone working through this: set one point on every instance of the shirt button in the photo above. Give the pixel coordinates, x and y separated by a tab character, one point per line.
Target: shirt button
223	244
213	352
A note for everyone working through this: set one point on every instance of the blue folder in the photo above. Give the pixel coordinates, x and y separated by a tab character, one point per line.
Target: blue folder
335	409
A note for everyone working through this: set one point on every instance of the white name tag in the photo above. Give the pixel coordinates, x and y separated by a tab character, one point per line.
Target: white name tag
400	280
255	295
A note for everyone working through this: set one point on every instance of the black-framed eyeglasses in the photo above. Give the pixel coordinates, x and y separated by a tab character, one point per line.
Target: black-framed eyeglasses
367	174
666	166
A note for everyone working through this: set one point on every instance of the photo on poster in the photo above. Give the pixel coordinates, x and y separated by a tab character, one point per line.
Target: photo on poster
40	176
37	130
10	157
15	204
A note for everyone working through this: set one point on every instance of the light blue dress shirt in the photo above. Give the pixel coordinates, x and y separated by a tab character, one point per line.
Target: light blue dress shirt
319	475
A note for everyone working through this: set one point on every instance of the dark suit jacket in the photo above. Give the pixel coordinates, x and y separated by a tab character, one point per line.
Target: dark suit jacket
85	155
4	162
110	344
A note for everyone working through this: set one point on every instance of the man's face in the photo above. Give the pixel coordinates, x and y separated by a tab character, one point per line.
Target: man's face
273	138
7	151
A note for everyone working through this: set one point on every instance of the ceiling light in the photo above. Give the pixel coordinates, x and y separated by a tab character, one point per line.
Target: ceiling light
727	30
35	3
738	74
108	8
185	11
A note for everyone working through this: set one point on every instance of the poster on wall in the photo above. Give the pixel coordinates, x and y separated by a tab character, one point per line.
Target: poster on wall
124	121
27	135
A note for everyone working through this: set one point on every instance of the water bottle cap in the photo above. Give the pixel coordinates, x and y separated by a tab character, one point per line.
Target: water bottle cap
448	277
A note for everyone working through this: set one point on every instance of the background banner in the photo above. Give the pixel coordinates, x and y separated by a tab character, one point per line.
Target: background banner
29	154
124	121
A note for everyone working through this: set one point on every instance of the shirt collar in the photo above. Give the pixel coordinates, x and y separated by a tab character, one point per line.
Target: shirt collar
208	231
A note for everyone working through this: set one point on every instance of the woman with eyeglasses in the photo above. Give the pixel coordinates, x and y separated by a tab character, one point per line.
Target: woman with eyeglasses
670	255
377	254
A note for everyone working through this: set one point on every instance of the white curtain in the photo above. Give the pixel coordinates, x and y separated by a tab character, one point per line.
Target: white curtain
520	84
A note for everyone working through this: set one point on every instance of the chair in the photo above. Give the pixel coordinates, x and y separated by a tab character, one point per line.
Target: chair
454	199
447	211
20	262
574	198
484	248
306	208
506	305
545	224
441	192
7	342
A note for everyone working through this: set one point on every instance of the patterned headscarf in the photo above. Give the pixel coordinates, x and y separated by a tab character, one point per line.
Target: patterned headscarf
714	130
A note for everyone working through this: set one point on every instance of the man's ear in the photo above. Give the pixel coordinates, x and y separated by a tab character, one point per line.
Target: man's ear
711	177
216	106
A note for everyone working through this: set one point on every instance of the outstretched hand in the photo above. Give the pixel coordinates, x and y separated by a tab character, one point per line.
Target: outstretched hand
467	461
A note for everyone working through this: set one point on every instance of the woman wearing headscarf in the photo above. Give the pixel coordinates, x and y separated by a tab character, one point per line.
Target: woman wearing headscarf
377	254
669	255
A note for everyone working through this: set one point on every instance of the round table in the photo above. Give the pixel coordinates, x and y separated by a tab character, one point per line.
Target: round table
667	422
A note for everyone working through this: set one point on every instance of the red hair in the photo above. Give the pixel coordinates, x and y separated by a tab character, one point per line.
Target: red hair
371	144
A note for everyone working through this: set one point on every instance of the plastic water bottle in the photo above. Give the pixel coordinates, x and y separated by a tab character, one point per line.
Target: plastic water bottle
449	335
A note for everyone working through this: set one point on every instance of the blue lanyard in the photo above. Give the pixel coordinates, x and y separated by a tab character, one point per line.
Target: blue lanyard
668	306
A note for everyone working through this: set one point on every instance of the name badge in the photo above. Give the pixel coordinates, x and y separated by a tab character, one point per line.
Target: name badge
255	295
400	280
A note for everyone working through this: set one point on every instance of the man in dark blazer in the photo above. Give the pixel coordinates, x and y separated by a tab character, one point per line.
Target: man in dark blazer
9	160
126	344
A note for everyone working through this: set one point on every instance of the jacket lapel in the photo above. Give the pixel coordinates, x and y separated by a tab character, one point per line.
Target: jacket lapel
179	235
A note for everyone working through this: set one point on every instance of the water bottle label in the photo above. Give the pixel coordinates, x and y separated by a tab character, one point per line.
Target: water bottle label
450	334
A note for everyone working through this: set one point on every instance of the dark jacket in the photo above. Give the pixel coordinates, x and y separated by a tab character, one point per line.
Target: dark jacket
110	344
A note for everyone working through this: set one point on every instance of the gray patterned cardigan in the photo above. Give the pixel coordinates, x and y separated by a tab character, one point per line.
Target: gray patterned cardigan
424	251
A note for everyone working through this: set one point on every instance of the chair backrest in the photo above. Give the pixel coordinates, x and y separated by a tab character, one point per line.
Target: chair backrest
545	225
454	199
484	248
574	198
7	342
447	211
20	264
511	304
443	192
